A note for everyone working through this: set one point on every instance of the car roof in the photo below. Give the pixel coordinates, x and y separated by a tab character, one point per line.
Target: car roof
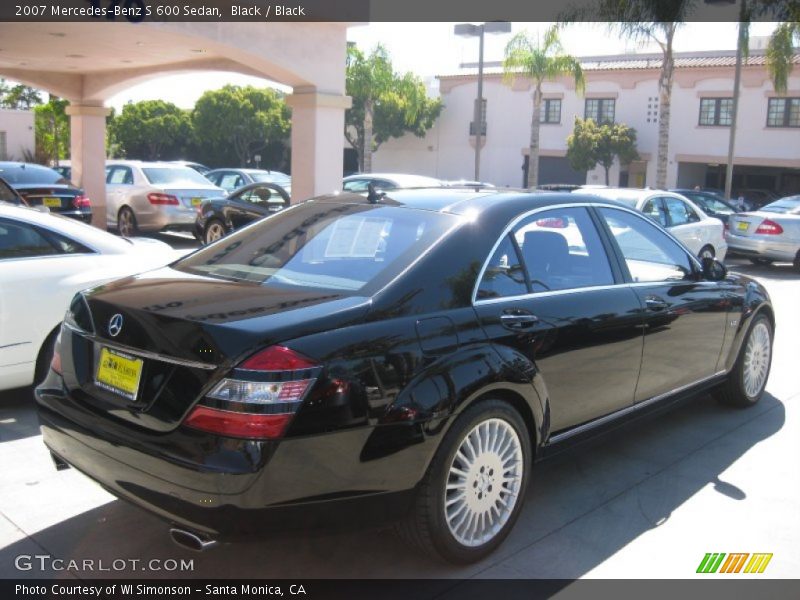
404	179
146	163
466	201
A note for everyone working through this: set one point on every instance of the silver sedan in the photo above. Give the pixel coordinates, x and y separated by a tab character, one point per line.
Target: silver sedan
769	234
154	196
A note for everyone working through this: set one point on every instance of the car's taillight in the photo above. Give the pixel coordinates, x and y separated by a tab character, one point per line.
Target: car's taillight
81	202
159	199
55	363
768	227
259	399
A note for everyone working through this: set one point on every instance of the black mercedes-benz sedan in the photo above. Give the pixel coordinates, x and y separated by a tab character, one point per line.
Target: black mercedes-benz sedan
43	186
404	356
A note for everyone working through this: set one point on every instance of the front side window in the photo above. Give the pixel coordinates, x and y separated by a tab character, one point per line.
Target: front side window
680	213
649	253
120	176
601	110
562	250
20	240
551	111
783	112
716	111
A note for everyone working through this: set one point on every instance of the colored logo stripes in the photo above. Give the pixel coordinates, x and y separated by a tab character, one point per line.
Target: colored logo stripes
719	562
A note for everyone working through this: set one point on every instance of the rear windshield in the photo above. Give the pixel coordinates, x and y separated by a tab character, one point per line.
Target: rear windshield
174	176
790	205
30	174
333	247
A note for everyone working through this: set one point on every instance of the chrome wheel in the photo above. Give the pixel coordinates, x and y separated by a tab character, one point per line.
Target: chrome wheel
483	483
756	359
126	223
214	232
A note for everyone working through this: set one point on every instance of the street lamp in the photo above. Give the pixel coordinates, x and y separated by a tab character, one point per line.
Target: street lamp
470	30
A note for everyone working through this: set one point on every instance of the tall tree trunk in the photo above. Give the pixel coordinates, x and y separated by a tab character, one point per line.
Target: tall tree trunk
607	169
665	100
533	154
367	167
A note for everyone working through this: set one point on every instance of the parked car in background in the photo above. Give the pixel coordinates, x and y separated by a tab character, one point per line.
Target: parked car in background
701	234
218	217
9	194
232	179
317	363
64	168
154	196
199	167
388	181
755	198
556	187
468	183
42	186
709	203
769	234
44	260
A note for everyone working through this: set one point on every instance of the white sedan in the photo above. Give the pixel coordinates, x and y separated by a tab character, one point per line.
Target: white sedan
701	234
44	260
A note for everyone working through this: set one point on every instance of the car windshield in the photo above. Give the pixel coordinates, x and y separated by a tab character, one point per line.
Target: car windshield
333	247
175	176
790	206
24	174
710	203
271	177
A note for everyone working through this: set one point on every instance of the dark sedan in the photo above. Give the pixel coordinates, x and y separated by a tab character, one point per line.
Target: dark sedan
42	186
403	356
709	203
218	217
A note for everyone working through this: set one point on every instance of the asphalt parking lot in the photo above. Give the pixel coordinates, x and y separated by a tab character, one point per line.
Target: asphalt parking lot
648	501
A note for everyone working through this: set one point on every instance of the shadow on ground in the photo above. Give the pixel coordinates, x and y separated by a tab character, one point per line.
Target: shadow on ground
582	508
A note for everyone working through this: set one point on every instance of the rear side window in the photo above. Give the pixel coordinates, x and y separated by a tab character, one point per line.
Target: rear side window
650	255
680	213
336	247
654	209
504	274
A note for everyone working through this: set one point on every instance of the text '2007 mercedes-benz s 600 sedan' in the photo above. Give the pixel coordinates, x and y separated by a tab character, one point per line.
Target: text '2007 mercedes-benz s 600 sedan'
403	356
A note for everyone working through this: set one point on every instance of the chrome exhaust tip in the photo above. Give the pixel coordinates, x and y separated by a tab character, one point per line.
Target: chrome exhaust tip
190	540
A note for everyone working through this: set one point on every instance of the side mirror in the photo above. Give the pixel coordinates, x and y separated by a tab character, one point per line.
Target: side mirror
713	270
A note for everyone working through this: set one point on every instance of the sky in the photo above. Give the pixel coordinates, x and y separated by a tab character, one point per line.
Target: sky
442	53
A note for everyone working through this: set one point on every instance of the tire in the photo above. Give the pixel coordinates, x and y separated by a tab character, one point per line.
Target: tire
215	230
706	251
760	261
126	222
45	357
459	532
748	378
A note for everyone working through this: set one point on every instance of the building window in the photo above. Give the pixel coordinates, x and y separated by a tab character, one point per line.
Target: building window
601	110
483	118
783	112
716	111
3	147
551	111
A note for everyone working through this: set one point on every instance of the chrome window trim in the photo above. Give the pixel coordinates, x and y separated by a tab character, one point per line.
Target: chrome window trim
628	409
525	215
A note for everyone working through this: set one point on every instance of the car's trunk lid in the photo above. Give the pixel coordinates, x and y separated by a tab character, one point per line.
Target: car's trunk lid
183	342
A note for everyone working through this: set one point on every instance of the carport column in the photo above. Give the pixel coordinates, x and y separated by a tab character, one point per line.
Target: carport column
88	155
317	142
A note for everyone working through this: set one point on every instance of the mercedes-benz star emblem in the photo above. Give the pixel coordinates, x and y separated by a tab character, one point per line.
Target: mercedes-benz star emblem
115	325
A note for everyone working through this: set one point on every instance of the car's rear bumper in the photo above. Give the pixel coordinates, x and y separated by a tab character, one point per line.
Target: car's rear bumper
762	247
225	488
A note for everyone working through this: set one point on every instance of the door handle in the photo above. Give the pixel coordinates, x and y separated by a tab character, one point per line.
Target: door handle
656	303
517	319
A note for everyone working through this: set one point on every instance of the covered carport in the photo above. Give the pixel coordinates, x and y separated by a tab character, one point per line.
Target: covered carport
88	63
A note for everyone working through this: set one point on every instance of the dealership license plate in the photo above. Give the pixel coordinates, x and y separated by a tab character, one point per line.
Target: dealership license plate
742	225
119	373
51	202
197	201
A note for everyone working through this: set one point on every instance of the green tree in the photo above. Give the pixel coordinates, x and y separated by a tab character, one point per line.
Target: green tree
591	144
781	50
21	97
235	123
152	130
52	131
539	60
385	104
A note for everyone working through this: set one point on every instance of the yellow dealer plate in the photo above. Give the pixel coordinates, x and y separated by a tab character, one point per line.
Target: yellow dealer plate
197	201
51	202
119	373
742	225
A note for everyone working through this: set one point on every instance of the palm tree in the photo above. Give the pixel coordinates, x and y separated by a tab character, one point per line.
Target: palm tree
539	61
781	51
